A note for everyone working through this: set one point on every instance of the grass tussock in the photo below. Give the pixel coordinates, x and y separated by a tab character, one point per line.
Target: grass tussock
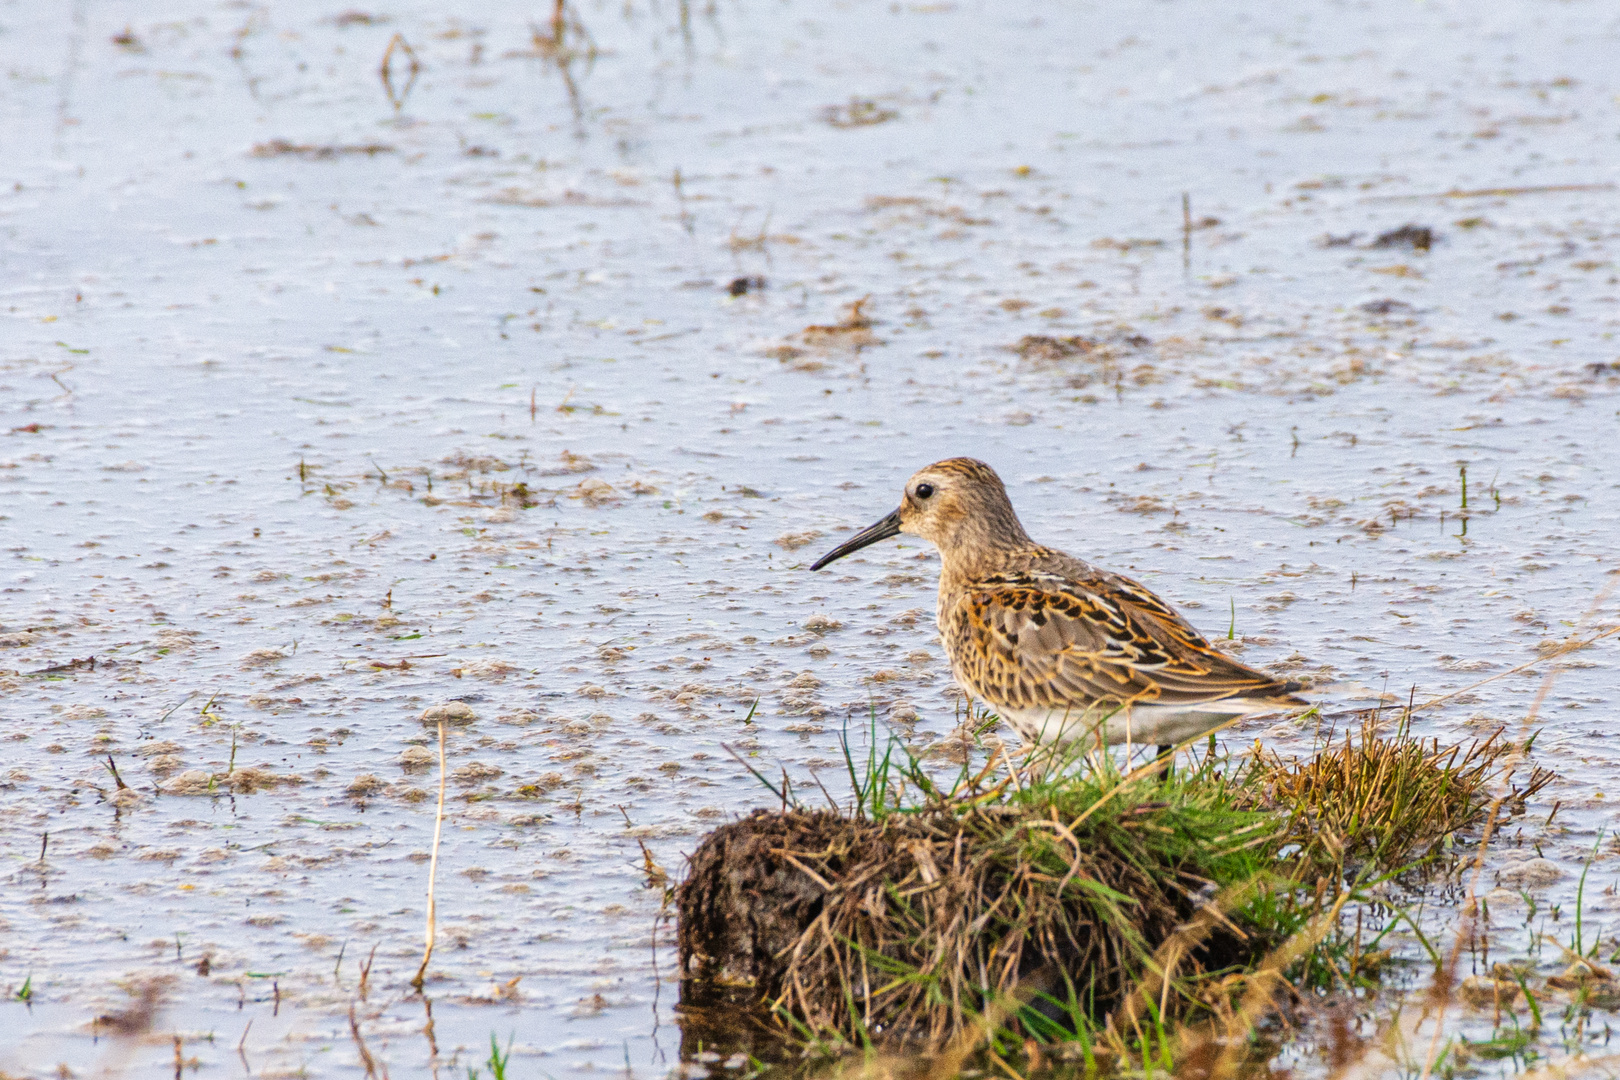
1387	799
1049	899
1079	912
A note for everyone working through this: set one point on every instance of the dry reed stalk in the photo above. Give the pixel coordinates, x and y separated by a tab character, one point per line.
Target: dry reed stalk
1160	971
1445	980
433	873
1568	646
1267	978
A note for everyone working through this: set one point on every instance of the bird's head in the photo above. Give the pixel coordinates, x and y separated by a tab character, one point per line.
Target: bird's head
958	504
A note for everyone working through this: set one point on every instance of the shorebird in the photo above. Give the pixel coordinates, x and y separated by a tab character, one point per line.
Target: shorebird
1063	651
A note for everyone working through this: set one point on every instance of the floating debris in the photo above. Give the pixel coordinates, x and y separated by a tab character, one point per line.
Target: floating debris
860	112
1416	237
312	152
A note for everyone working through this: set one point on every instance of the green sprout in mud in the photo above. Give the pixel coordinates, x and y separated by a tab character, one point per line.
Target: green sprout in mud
497	1060
25	993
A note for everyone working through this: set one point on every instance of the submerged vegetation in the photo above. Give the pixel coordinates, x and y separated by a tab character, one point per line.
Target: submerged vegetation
1075	913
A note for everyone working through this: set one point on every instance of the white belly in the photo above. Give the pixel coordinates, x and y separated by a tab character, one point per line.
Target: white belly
1159	725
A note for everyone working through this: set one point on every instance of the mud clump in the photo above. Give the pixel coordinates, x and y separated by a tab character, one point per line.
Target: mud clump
1066	905
909	925
1043	348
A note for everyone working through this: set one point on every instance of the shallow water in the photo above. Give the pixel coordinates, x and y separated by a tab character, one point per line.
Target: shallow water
266	403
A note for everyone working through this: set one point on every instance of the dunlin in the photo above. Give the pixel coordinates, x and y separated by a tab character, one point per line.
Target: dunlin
1062	650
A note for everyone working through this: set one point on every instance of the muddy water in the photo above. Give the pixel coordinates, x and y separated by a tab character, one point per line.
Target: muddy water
320	412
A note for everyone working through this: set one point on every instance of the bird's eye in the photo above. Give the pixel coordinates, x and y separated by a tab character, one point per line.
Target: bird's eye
924	490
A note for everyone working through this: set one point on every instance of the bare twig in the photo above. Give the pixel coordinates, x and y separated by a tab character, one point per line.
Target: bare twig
365	972
1484	193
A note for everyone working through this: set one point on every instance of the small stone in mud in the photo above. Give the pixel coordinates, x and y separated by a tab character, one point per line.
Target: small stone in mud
795	540
1049	349
745	285
485	669
365	784
820	624
451	712
190	782
1532	873
475	772
252	778
859	112
263	658
1484	992
416	758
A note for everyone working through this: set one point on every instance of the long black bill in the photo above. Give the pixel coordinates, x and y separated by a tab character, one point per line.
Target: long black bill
889	526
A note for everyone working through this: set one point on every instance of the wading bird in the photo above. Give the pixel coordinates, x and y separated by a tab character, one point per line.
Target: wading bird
1063	651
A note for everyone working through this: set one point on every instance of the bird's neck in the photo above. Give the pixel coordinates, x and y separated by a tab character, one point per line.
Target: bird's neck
975	557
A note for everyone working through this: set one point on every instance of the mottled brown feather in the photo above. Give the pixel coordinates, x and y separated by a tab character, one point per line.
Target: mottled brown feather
1030	628
1028	637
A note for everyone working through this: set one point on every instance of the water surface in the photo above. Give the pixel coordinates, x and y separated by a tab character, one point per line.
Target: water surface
540	391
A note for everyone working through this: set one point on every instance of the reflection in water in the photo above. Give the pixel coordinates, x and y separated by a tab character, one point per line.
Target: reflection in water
565	42
397	94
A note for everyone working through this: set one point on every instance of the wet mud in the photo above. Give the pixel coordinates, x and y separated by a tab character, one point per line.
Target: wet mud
335	391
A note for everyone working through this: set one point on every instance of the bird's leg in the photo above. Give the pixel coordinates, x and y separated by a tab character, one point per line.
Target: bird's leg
1163	754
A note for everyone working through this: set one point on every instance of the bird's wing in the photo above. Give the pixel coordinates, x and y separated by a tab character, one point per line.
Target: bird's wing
1035	639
